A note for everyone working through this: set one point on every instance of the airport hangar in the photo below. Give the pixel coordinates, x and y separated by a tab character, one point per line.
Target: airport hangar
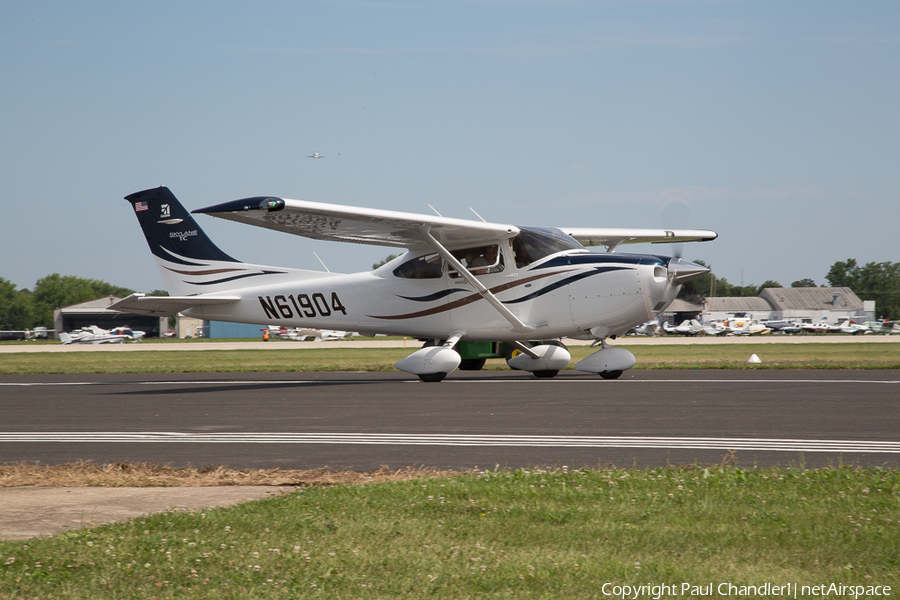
96	312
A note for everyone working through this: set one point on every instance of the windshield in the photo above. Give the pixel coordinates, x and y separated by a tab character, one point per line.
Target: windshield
534	243
421	267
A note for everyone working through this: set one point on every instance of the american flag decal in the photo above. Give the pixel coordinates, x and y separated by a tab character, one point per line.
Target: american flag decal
139	206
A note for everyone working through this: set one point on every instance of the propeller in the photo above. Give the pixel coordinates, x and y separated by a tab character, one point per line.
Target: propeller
674	211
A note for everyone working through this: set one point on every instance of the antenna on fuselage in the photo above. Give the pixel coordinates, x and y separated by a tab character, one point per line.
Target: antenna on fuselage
476	214
323	263
435	210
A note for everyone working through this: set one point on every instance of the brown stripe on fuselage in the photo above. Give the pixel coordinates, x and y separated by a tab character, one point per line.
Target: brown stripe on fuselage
467	300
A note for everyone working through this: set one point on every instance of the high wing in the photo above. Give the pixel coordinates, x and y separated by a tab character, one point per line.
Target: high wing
612	238
360	225
164	306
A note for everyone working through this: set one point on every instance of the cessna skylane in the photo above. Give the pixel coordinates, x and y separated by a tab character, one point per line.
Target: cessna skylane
461	285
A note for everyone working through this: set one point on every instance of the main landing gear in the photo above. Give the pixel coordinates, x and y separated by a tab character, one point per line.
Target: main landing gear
608	362
546	365
432	377
611	374
437	358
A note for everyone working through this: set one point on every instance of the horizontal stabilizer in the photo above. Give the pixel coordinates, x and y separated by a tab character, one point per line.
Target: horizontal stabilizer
166	306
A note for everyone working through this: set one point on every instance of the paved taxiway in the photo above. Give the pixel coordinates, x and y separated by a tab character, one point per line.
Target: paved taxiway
364	421
199	345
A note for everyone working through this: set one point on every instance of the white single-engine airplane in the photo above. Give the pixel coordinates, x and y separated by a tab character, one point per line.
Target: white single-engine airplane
462	284
98	335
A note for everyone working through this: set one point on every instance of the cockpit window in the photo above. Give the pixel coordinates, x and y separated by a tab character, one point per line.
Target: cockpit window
479	260
421	267
534	243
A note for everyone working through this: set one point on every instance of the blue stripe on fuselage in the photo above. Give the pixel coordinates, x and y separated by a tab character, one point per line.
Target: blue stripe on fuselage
584	259
566	281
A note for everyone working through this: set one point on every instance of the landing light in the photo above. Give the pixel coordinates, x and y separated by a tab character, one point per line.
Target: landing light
270	204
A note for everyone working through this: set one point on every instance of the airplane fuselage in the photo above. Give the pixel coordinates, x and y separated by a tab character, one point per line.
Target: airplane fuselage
569	294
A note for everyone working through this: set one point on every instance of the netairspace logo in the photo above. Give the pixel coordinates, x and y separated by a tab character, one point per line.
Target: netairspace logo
788	590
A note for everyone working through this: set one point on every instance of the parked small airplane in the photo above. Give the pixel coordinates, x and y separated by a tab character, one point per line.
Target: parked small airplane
821	326
745	326
650	328
98	335
133	335
783	325
536	284
689	327
848	326
884	326
299	334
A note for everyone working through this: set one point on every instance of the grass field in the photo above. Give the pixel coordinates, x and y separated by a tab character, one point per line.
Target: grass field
691	356
515	534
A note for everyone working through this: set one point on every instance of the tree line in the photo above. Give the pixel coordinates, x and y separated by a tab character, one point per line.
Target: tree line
27	309
878	281
709	285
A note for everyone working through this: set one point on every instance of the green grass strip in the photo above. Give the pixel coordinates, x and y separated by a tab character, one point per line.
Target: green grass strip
506	534
692	356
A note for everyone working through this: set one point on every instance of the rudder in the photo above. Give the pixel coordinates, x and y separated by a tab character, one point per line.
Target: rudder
171	232
189	262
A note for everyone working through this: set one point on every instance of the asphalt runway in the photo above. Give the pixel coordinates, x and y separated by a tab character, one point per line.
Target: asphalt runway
364	421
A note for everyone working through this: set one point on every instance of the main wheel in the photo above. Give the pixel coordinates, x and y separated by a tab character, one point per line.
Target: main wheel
472	364
511	352
545	374
611	374
432	377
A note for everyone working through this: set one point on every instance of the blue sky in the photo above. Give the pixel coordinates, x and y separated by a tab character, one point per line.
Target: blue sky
778	121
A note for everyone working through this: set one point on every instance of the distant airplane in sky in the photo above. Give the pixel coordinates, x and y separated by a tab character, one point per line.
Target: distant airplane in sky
316	155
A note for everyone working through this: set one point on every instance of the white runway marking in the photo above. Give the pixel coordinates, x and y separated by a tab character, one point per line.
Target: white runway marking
693	443
560	381
596	381
229	382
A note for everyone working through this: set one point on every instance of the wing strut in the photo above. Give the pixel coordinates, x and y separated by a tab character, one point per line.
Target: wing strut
525	349
518	326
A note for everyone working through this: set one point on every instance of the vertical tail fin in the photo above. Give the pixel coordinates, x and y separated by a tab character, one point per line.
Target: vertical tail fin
189	262
171	231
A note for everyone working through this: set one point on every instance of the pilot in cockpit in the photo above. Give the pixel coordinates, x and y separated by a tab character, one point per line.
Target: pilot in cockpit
487	261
